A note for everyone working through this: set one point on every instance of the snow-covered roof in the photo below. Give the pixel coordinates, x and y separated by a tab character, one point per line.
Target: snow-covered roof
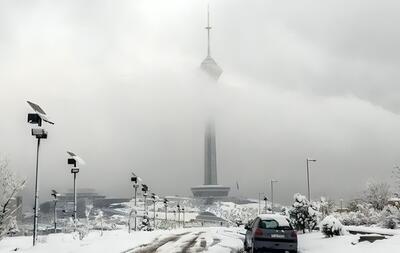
282	220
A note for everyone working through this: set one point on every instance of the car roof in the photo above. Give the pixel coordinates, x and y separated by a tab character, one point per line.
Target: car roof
282	220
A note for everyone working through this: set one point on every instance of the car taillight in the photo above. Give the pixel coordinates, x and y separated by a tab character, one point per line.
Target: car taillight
294	234
258	232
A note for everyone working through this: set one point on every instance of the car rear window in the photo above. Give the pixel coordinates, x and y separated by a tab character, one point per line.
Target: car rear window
272	224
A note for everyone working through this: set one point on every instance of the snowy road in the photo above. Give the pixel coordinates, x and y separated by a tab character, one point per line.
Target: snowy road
202	240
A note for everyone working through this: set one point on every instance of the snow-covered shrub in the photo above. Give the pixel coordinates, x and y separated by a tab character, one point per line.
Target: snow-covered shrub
145	225
10	185
13	227
330	226
389	217
362	214
303	214
285	211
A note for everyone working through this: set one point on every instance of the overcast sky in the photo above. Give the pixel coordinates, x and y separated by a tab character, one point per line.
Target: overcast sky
121	80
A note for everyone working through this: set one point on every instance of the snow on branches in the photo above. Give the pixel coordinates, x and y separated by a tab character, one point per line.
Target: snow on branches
304	215
10	185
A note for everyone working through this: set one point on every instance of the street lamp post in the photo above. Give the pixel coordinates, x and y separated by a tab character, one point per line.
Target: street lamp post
73	160
174	217
308	177
154	198
183	217
265	204
145	189
55	194
179	215
40	133
134	180
259	201
272	194
166	209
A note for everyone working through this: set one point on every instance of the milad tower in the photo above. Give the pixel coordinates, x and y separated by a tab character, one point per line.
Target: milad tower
210	188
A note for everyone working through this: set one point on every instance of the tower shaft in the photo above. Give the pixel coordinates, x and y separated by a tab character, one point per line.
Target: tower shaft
210	156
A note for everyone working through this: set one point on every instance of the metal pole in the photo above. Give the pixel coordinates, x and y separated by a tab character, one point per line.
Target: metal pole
265	207
179	217
183	220
272	196
136	186
35	215
175	218
166	212
308	181
55	216
75	198
259	203
145	203
154	214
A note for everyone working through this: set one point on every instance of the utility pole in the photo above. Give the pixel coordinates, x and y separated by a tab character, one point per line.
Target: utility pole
308	177
272	194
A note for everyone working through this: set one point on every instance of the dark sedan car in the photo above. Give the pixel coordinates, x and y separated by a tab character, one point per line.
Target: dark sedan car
270	233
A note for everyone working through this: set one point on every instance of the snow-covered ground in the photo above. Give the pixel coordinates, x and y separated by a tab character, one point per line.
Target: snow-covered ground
316	243
217	239
179	240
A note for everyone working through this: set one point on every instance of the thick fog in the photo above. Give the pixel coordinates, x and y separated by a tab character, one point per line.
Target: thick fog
121	80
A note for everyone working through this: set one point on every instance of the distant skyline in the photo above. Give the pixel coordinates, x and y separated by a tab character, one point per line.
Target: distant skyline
122	82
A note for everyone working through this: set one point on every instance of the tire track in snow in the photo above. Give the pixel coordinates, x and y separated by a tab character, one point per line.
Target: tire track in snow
154	245
184	244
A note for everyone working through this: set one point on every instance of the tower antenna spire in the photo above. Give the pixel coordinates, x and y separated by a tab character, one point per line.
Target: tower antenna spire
208	27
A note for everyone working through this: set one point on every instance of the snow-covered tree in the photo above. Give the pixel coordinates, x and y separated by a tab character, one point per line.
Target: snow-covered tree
10	185
326	206
396	178
99	220
377	194
303	214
